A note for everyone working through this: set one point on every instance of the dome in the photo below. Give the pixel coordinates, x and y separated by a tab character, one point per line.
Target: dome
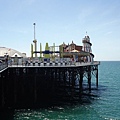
11	52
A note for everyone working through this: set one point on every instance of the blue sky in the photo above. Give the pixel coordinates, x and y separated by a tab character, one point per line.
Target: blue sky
59	21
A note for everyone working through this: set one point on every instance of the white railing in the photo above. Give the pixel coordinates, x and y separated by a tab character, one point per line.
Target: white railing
54	64
3	66
87	63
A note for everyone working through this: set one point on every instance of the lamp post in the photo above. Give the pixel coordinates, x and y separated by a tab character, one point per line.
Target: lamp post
6	58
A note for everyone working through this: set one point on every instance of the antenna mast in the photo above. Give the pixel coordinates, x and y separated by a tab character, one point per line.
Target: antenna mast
35	41
34	30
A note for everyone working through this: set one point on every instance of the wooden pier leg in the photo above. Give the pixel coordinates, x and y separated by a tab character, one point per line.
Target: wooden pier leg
3	100
97	78
73	78
0	91
81	82
15	89
35	91
53	82
64	78
89	78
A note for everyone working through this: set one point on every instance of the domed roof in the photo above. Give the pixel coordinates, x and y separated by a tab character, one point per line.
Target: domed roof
10	52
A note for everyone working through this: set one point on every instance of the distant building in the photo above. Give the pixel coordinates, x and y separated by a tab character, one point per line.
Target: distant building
80	53
71	47
12	54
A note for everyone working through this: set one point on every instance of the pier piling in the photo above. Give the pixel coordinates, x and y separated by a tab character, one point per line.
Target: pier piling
89	78
97	77
81	82
27	86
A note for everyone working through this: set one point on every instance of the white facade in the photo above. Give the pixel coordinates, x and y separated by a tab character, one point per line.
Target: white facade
14	56
10	52
87	48
87	44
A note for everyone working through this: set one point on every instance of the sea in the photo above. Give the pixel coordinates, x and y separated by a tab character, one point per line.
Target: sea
103	105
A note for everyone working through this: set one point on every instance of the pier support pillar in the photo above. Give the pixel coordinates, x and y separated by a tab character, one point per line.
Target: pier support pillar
81	82
35	90
2	90
89	78
73	72
97	77
15	89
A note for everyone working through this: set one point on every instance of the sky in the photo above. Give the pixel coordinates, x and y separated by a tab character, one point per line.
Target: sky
59	21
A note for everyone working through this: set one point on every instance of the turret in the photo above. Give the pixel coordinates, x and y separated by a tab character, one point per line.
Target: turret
87	48
86	44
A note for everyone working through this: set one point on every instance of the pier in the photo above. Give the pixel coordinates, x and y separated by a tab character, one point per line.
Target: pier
32	84
50	76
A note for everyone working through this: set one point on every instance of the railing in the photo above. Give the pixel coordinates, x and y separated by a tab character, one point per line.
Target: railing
53	64
87	63
3	66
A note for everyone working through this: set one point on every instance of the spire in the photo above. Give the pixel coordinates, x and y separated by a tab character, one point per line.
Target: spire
86	36
34	30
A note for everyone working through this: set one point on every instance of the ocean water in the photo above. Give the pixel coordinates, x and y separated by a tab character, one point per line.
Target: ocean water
104	106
